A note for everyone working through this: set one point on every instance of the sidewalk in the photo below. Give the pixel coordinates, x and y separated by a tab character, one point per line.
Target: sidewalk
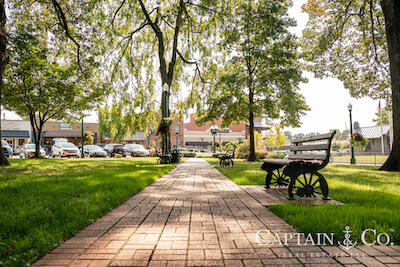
195	216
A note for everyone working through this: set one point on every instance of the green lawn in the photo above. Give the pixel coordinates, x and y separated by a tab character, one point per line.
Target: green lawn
371	197
45	202
366	158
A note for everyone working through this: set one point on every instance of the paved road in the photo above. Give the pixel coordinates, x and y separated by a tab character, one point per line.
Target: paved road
195	216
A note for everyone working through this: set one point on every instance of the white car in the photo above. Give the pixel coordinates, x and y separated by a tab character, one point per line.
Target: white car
65	150
28	151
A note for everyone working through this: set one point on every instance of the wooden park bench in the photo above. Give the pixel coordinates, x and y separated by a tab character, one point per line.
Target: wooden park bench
226	159
300	170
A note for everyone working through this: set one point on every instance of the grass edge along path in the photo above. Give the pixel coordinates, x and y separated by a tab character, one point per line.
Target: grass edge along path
45	202
371	197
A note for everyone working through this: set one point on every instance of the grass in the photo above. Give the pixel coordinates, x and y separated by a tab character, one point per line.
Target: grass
371	197
45	202
366	158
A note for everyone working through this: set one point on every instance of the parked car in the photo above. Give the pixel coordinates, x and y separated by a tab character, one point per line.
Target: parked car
65	150
113	149
101	145
195	150
8	151
28	151
182	149
94	151
136	150
60	140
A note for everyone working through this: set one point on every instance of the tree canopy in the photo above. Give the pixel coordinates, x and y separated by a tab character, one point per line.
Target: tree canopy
347	40
41	85
357	42
261	72
113	123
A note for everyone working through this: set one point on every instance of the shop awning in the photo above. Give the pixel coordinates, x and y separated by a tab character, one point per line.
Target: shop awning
62	133
15	134
198	143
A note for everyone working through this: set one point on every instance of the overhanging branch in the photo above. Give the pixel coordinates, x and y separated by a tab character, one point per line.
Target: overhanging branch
63	22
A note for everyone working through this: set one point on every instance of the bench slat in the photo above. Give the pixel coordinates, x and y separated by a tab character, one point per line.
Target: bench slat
307	157
324	146
313	138
277	161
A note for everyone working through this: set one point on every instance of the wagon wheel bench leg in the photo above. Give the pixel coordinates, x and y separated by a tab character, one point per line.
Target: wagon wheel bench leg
308	184
276	177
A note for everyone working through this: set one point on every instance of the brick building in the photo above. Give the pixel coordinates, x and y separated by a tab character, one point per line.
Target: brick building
200	137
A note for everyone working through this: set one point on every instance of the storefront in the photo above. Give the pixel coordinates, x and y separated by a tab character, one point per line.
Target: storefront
71	132
15	132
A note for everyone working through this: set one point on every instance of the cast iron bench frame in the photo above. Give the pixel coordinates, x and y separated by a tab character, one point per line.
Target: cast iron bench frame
226	160
163	158
297	172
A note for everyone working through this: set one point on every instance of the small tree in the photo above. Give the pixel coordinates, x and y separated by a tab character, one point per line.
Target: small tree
41	85
262	74
113	123
276	138
385	116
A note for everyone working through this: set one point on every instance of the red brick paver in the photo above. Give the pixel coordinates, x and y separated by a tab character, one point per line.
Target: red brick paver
195	216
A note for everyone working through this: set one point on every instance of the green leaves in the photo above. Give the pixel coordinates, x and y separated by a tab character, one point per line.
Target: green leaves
261	72
113	123
347	40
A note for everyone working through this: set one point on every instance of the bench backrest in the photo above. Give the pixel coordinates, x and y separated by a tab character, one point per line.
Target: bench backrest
158	152
231	152
304	148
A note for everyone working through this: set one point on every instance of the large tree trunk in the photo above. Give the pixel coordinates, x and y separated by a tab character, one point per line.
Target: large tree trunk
391	10
3	64
38	140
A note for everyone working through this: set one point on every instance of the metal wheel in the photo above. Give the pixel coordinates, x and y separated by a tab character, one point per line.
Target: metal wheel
308	185
276	178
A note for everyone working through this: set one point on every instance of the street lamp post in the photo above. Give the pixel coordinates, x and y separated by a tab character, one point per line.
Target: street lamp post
214	131
82	153
148	138
165	116
352	160
177	129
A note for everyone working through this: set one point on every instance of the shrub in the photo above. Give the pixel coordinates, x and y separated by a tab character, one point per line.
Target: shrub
262	154
230	145
276	155
153	152
189	154
203	156
243	150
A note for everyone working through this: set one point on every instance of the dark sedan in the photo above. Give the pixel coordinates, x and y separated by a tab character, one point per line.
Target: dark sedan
94	151
113	149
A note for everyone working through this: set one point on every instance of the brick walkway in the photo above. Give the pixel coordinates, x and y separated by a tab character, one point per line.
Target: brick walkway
195	216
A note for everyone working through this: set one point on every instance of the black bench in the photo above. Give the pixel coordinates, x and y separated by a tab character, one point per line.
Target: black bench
300	170
226	160
163	158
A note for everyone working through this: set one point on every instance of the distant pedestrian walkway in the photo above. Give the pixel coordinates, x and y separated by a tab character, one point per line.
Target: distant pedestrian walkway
195	216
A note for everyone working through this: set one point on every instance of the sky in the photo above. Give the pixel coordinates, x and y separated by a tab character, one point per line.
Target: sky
327	97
